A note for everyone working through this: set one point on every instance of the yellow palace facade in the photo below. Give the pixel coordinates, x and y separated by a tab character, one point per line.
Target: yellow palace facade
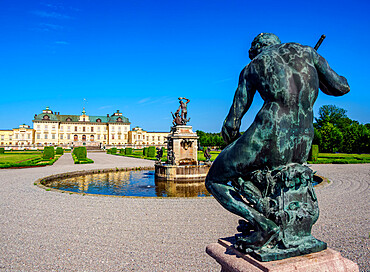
54	129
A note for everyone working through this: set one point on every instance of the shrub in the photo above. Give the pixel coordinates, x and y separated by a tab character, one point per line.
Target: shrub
145	151
80	152
151	151
48	152
314	153
128	151
113	150
59	151
122	151
2	150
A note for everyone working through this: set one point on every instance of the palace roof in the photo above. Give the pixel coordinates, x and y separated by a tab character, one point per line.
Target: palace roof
48	115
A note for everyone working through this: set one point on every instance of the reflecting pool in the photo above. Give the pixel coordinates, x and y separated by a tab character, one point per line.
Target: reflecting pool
128	183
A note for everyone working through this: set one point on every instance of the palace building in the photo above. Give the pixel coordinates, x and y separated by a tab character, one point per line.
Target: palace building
54	129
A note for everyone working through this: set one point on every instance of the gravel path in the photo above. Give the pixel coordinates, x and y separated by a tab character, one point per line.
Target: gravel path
50	231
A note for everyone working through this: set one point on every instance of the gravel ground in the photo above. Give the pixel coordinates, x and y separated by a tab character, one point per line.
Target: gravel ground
50	231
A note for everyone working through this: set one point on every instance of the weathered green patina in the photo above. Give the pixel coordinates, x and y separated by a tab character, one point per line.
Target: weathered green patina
261	175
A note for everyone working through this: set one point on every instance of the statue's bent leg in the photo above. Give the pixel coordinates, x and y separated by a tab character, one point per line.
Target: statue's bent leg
231	200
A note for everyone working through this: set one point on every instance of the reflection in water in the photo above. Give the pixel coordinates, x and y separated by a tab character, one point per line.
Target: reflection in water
128	183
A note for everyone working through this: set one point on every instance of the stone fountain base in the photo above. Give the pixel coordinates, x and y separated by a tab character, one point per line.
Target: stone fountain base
181	173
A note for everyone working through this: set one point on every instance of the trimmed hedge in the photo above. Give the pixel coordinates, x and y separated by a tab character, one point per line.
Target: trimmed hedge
128	151
48	153
122	151
80	152
145	151
59	151
151	151
83	161
314	153
2	150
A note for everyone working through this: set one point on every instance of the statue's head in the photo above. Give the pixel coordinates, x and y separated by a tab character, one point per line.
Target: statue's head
261	41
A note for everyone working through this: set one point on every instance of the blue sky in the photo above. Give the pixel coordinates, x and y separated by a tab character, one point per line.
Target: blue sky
140	56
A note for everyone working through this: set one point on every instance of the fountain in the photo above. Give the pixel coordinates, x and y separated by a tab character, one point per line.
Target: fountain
182	151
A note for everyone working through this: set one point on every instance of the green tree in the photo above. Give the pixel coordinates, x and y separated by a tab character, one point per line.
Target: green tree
331	138
331	114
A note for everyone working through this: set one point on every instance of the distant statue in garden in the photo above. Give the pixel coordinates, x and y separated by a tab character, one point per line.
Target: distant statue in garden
184	109
176	118
170	156
207	154
261	175
159	154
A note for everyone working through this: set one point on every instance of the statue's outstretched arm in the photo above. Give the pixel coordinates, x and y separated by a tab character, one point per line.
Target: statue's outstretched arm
330	82
242	101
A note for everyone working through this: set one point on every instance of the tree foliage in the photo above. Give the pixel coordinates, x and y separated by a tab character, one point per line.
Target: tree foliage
335	132
210	139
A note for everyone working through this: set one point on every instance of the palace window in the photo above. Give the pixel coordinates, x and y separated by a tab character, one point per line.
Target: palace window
46	117
119	137
16	136
105	136
61	136
38	136
69	128
2	137
68	119
98	129
112	128
28	136
98	120
98	136
53	136
53	128
45	136
83	129
75	128
92	129
46	127
68	136
119	119
112	136
61	128
38	127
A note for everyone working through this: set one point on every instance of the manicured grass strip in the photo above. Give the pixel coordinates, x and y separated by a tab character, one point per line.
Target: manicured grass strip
14	158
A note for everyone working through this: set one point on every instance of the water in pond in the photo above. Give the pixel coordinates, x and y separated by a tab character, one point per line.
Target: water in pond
130	183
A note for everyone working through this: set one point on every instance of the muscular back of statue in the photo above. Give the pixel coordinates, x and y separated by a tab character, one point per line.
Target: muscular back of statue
288	77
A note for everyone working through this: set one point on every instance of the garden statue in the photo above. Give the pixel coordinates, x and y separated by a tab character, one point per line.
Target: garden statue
261	175
159	154
207	154
176	118
170	156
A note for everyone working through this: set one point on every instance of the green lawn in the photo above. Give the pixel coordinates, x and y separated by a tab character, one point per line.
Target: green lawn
24	159
14	158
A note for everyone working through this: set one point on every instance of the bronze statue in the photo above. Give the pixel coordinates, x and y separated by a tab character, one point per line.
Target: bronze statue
159	154
270	185
207	154
181	119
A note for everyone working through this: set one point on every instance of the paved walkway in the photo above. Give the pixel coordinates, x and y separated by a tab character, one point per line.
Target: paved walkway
50	231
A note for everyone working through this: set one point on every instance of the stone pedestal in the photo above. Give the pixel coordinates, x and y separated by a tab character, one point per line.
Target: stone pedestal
184	143
231	260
